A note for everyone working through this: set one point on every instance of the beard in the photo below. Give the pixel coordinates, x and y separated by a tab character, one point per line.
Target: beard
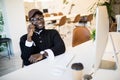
39	27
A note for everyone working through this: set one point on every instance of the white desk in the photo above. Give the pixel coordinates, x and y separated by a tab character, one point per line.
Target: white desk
46	70
106	74
52	18
58	17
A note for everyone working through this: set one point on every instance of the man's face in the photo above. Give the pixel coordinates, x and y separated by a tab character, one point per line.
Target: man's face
38	21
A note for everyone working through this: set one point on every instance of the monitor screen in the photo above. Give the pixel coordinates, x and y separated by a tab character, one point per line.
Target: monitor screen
45	10
102	30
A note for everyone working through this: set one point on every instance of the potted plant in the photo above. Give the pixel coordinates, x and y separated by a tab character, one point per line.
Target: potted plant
108	4
93	34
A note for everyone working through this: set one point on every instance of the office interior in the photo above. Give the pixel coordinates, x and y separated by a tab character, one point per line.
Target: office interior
15	19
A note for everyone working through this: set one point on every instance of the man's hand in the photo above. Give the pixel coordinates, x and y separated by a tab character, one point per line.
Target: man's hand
35	57
31	29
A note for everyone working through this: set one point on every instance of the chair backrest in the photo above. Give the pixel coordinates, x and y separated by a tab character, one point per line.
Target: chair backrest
62	21
60	13
77	18
46	15
113	27
80	35
90	17
54	14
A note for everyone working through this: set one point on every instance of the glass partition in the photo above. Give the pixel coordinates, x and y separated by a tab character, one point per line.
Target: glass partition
1	23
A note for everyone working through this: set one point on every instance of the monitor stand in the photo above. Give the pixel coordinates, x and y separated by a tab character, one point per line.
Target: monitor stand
108	64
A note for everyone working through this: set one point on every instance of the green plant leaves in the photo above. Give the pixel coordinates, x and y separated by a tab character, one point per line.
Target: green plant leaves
93	34
1	22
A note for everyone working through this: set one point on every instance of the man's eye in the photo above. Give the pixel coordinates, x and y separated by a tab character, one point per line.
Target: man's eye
36	19
33	19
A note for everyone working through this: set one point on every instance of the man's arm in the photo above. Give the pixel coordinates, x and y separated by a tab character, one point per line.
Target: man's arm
59	46
25	51
30	53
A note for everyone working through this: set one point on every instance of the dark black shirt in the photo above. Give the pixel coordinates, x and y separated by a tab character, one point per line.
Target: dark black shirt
48	39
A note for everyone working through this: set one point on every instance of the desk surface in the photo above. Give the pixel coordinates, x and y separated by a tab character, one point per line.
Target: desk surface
45	70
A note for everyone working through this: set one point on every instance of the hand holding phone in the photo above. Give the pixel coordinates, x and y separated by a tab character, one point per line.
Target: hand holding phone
31	29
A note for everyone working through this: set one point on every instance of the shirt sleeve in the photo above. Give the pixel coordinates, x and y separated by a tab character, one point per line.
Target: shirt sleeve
50	54
28	44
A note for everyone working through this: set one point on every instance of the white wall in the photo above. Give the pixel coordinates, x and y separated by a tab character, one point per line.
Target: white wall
52	5
81	6
15	26
30	5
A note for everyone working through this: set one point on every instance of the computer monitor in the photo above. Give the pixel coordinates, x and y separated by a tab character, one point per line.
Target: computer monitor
102	30
45	10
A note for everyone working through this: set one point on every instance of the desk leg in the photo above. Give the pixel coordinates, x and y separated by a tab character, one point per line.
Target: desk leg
8	47
9	44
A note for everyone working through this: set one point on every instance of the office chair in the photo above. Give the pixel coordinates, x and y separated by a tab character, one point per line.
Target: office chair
7	42
113	27
85	19
80	35
54	14
60	13
90	18
46	15
61	23
76	20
